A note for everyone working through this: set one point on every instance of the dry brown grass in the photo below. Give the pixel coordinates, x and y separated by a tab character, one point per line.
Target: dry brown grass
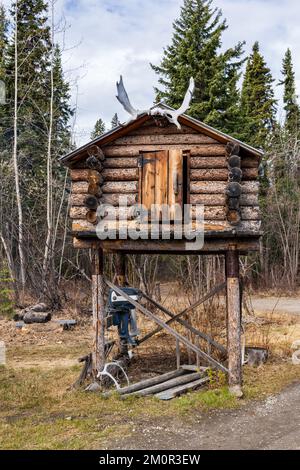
39	412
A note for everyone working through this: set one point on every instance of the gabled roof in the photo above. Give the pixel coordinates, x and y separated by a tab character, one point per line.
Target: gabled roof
122	130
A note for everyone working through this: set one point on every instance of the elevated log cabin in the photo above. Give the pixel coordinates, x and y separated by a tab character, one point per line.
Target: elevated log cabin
151	161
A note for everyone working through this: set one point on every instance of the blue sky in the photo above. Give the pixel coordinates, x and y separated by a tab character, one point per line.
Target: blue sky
106	38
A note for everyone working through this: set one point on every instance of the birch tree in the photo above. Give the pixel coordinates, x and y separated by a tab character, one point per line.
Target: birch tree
15	157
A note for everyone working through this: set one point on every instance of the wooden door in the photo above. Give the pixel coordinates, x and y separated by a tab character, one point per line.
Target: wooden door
161	178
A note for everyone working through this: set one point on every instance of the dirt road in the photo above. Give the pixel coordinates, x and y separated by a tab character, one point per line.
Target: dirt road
290	305
270	424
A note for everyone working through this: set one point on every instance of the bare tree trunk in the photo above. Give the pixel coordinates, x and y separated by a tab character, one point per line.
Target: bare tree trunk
15	160
49	154
8	256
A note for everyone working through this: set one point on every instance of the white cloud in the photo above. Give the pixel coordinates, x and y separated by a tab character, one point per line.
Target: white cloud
122	36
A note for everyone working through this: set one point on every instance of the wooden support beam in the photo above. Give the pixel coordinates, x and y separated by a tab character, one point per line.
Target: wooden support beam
98	288
234	321
158	379
183	379
177	318
165	326
120	265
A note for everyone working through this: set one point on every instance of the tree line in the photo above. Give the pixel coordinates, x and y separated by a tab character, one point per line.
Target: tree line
248	112
233	93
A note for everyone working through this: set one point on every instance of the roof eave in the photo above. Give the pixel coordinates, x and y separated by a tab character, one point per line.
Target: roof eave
123	127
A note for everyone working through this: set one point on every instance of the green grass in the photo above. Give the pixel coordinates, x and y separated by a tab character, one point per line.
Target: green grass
39	411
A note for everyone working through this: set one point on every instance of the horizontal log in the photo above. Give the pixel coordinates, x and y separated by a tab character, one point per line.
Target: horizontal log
115	200
208	199
250	162
233	189
78	212
85	175
215	187
84	187
131	162
220	213
91	202
168	130
212	174
250	213
169	384
220	174
121	187
220	199
86	164
210	213
234	217
135	151
208	162
149	382
161	139
219	162
206	150
77	199
170	246
111	227
234	161
80	187
121	174
96	151
92	217
94	189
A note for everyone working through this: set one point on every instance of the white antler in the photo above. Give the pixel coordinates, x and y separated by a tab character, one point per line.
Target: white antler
173	116
122	97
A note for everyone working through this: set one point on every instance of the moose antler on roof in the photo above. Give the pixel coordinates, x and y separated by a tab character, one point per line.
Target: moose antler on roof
122	97
171	115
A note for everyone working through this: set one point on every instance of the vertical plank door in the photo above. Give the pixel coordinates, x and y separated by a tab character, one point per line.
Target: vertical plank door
175	180
162	179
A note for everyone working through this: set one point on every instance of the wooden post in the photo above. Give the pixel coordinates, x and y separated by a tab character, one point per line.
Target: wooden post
234	322
98	288
121	269
120	261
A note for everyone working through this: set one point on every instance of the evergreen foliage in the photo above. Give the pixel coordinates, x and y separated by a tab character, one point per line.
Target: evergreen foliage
195	51
258	105
99	129
34	94
291	107
115	121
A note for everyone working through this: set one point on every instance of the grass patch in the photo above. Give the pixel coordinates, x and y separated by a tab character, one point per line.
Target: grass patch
38	411
206	400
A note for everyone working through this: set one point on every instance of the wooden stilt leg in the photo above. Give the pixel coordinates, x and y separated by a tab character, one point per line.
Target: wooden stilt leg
121	269
234	322
98	286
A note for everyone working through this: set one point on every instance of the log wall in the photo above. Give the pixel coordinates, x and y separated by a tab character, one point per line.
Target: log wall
118	175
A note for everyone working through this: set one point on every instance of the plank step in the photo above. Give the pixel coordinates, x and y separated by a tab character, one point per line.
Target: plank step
180	389
186	378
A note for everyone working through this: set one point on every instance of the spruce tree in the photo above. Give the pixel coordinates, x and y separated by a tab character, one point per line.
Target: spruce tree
3	51
115	121
195	51
99	129
62	109
3	41
258	105
291	107
34	48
